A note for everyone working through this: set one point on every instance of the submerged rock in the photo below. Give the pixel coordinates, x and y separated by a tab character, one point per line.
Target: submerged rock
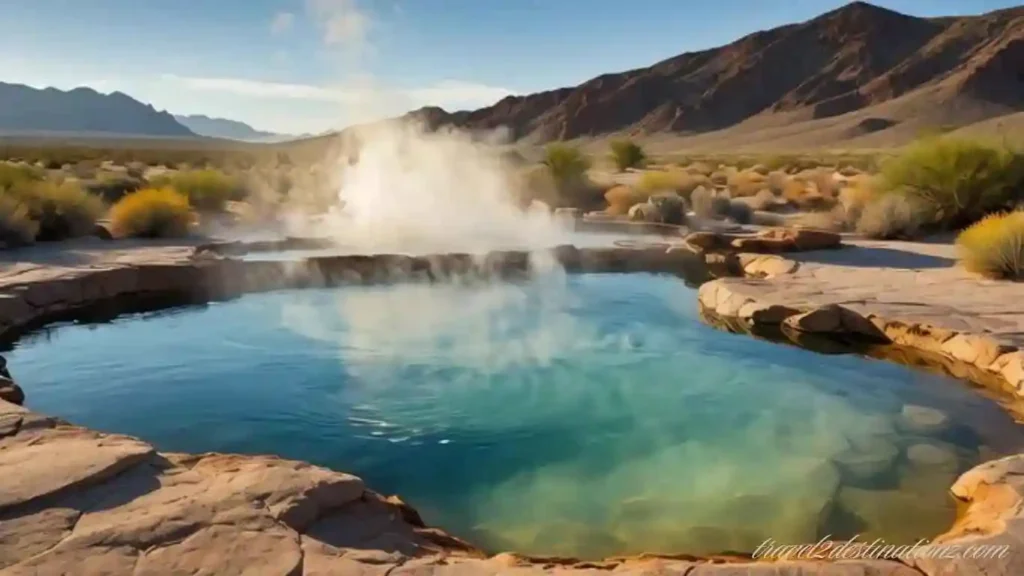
922	419
868	459
932	455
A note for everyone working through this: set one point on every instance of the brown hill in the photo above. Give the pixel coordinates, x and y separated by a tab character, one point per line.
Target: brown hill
859	75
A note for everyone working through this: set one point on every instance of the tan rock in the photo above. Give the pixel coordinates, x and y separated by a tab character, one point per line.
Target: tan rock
707	240
1011	367
42	464
835	319
759	313
804	238
975	349
919	336
765	265
22	537
227	549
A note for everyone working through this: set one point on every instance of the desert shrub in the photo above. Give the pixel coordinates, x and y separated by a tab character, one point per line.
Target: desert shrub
707	204
539	183
627	154
740	212
621	198
206	190
681	182
821	179
832	220
61	211
959	180
113	187
745	183
994	246
763	200
151	213
567	164
702	168
16	225
16	174
890	216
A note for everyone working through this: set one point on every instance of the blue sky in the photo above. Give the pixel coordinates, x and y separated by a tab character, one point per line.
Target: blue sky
310	65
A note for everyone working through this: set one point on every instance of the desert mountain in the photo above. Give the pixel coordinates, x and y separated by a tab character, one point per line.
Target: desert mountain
851	72
229	129
82	110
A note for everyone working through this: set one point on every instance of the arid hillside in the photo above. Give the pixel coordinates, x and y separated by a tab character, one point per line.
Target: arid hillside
859	76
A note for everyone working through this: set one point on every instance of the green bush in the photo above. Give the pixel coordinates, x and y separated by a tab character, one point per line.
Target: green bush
627	154
206	190
61	210
17	227
151	213
12	175
959	180
567	165
994	246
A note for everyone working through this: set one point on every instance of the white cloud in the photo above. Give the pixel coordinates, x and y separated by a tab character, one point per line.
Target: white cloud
282	23
449	94
342	22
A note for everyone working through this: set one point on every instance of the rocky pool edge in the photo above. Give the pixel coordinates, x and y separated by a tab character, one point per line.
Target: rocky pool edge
60	499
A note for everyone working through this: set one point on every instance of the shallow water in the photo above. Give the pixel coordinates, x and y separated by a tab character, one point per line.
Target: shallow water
591	415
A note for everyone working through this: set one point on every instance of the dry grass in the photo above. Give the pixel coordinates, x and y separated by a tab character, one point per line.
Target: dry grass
621	198
746	183
994	246
831	220
891	216
763	200
679	181
17	227
61	210
206	190
151	213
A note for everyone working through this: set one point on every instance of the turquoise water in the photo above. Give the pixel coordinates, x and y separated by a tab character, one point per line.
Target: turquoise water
591	415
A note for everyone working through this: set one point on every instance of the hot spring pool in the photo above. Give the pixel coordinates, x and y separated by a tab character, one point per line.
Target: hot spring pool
592	415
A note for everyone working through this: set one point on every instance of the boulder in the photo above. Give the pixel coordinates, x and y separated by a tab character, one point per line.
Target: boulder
11	392
707	240
836	320
640	212
667	208
803	238
102	231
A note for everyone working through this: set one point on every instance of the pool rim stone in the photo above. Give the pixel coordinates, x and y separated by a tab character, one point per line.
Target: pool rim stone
992	492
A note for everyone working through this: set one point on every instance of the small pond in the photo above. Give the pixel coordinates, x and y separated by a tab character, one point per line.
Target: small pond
587	415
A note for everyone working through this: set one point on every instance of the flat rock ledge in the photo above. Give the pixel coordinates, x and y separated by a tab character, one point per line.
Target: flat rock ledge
767	307
76	501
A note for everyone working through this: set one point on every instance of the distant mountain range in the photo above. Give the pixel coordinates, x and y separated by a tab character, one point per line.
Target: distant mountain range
24	109
229	129
861	74
84	111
